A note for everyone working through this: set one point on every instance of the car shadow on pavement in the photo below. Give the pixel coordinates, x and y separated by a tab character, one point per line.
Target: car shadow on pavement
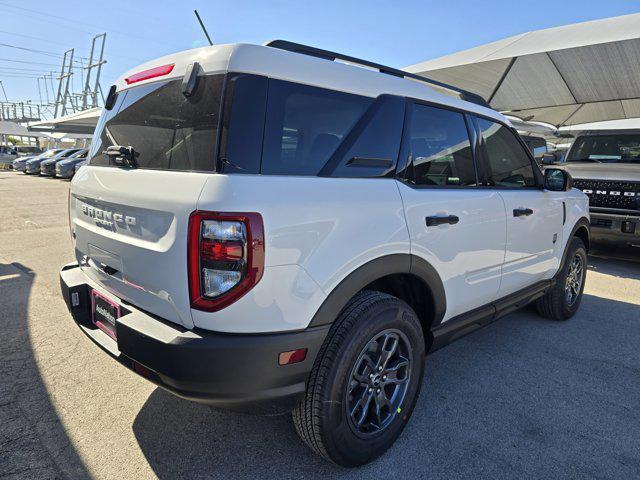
33	442
623	267
522	398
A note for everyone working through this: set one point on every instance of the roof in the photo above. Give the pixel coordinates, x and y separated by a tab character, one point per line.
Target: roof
565	75
83	122
296	67
15	129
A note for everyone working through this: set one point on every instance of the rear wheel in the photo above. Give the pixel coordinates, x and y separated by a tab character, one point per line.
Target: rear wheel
365	381
563	300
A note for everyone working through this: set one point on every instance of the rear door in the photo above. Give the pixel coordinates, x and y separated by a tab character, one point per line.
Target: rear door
534	216
130	224
456	226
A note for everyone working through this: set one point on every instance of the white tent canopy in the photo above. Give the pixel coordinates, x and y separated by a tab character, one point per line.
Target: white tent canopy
16	130
568	75
83	122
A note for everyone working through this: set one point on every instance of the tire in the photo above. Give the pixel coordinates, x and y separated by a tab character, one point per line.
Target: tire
556	304
371	322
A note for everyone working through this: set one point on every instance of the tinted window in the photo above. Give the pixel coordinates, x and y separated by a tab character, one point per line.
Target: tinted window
606	149
305	125
168	130
371	148
439	148
243	124
509	165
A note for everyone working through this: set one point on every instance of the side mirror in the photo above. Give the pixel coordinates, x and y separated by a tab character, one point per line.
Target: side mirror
557	180
549	158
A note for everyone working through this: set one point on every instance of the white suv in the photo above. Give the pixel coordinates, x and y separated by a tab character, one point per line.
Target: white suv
264	225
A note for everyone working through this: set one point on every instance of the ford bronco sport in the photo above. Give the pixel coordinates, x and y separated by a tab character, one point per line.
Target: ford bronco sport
606	167
276	225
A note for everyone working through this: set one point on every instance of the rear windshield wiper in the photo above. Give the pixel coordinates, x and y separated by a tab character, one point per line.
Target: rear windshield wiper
123	156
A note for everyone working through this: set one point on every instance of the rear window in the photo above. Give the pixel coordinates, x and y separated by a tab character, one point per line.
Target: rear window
168	130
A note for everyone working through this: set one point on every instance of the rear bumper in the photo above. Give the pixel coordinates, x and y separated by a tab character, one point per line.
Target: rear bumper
228	370
607	228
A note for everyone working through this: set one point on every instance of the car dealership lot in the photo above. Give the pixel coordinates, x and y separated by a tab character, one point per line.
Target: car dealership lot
522	398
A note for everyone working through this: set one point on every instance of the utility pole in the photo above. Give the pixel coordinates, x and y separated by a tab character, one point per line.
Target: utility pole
4	91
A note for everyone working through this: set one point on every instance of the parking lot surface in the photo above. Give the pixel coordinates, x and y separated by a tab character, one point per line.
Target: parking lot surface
521	398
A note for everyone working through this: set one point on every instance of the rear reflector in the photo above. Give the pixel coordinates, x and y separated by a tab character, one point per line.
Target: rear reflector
151	73
292	356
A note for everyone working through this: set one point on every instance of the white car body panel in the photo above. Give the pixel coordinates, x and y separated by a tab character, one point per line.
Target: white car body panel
324	226
468	255
531	253
150	255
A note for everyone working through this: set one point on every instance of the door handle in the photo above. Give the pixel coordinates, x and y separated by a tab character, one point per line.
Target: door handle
441	220
522	212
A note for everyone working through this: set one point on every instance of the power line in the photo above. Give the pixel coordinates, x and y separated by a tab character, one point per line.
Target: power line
33	50
30	62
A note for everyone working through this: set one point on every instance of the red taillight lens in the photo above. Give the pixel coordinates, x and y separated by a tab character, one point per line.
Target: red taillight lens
151	73
225	257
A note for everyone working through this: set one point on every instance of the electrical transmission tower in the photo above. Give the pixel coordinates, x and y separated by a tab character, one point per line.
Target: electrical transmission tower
63	101
89	94
66	101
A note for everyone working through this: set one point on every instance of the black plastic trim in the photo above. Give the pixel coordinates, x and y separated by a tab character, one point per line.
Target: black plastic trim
374	270
331	56
466	323
237	371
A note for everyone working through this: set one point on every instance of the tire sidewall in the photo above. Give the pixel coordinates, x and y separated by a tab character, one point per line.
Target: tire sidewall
395	314
576	247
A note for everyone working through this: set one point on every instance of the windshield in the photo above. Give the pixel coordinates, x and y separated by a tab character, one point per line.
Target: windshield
613	148
167	130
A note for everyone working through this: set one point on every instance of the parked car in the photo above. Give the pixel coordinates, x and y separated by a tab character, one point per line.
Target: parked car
48	166
79	164
606	167
347	222
7	154
66	167
32	165
19	163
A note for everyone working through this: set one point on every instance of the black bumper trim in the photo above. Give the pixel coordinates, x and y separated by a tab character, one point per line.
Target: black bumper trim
238	371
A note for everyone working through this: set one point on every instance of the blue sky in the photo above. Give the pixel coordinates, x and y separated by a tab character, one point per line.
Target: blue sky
395	33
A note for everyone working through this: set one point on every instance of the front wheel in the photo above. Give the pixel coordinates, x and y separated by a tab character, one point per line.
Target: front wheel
365	381
563	300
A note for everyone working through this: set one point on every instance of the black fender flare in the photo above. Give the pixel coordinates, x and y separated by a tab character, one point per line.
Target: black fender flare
374	270
582	223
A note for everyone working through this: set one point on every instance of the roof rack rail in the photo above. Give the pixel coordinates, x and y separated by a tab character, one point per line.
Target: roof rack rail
328	55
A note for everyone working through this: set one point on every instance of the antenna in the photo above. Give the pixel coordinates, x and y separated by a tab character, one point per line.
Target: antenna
203	27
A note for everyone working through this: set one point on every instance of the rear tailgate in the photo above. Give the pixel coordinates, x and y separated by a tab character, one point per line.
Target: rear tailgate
131	234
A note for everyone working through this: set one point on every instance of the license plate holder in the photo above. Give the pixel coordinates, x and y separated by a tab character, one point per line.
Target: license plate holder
104	313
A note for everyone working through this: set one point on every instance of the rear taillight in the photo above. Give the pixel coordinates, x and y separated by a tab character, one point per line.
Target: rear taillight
225	257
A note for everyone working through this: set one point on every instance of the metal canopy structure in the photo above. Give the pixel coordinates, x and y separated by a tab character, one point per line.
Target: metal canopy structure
586	72
82	122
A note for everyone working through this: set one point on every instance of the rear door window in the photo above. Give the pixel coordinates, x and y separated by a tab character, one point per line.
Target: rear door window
167	129
305	125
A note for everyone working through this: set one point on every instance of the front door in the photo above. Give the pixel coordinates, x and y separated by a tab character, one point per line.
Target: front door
534	216
455	225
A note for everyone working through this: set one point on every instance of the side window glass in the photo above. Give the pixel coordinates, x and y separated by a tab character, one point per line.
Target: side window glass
439	148
305	125
508	162
371	148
